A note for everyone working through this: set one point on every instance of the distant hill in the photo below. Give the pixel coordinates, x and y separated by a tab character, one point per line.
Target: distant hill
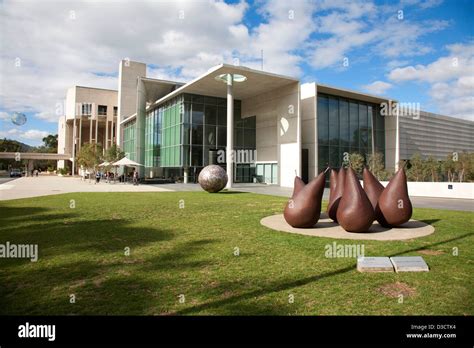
8	145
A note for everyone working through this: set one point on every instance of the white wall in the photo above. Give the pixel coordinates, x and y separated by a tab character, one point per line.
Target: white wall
129	72
277	124
288	163
309	139
390	142
439	189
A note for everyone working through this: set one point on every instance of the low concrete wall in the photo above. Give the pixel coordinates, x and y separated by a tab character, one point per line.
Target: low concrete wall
439	189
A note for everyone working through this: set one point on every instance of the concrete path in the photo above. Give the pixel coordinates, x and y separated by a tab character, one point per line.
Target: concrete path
418	202
273	190
52	185
49	185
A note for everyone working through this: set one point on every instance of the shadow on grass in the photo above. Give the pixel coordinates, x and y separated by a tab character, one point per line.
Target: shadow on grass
178	257
430	221
277	287
90	235
101	286
9	213
433	244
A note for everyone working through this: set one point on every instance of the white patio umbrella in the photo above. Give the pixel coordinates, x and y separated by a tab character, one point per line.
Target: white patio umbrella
104	164
127	162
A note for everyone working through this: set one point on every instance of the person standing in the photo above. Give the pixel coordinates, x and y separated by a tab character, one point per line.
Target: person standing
97	177
135	177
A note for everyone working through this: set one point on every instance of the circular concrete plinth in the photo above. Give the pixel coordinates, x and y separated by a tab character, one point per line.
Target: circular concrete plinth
329	229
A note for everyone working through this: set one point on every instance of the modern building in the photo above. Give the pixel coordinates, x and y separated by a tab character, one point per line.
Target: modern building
435	135
91	117
278	127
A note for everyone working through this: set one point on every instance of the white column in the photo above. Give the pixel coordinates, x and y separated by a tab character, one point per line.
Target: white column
106	133
74	146
298	134
80	134
96	128
230	131
90	130
397	141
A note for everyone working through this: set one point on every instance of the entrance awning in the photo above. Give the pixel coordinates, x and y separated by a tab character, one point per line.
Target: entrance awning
257	82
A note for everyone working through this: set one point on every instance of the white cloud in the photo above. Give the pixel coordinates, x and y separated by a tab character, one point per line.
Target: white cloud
458	63
451	80
377	87
352	25
60	44
56	50
287	28
31	136
4	116
395	63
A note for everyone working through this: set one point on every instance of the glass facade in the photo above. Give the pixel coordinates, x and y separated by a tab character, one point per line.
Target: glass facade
267	173
171	116
129	140
188	129
345	125
152	140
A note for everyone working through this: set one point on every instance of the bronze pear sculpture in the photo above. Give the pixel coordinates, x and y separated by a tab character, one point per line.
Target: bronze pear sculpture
297	186
304	208
355	212
372	187
336	193
394	206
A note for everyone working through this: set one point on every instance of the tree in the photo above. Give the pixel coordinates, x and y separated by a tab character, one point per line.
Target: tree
89	156
417	168
113	154
448	167
464	165
356	161
432	167
470	172
376	165
51	142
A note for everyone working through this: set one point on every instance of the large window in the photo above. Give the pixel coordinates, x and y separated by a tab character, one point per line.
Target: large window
345	126
102	110
152	139
267	173
191	128
86	109
129	140
170	151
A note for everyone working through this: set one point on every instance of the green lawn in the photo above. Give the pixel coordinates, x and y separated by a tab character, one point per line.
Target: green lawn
190	251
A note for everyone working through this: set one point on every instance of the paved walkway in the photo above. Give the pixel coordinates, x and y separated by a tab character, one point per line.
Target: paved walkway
273	190
50	185
45	185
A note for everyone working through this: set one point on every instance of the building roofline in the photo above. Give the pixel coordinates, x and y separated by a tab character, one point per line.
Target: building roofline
449	118
211	71
169	82
354	92
103	89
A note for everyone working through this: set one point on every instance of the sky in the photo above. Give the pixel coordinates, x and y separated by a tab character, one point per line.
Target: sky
419	51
